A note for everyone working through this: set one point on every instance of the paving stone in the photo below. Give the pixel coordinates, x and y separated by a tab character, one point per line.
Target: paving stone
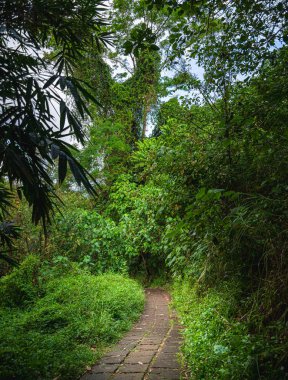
128	376
175	336
96	376
166	363
151	339
121	349
143	357
173	342
176	330
118	353
148	347
130	344
114	353
166	360
101	368
167	376
170	349
161	332
135	335
165	373
112	359
167	355
133	368
162	327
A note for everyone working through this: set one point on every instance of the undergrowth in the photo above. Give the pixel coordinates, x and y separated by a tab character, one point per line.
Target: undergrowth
219	342
54	328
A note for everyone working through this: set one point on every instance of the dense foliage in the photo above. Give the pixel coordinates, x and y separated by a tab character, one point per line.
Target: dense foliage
36	117
201	201
57	326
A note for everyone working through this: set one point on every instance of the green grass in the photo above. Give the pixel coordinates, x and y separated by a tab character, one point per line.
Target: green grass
67	325
221	340
216	345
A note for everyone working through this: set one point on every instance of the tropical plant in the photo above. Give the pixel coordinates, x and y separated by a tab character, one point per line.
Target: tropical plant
36	120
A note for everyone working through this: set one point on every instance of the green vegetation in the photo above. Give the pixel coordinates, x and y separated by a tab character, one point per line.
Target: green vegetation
221	345
216	346
200	203
56	326
30	88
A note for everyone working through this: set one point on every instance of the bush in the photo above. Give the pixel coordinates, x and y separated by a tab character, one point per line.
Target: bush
91	240
68	327
20	287
216	345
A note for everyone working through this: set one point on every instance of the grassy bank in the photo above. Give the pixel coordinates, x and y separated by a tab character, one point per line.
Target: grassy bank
220	339
53	327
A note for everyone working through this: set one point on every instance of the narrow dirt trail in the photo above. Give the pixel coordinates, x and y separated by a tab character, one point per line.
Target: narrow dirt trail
149	351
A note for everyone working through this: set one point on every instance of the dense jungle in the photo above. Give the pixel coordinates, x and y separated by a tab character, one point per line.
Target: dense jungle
143	143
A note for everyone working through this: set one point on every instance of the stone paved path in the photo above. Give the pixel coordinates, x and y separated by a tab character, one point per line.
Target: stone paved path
149	350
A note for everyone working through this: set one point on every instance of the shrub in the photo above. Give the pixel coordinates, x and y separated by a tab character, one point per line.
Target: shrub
21	287
91	240
216	345
68	326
